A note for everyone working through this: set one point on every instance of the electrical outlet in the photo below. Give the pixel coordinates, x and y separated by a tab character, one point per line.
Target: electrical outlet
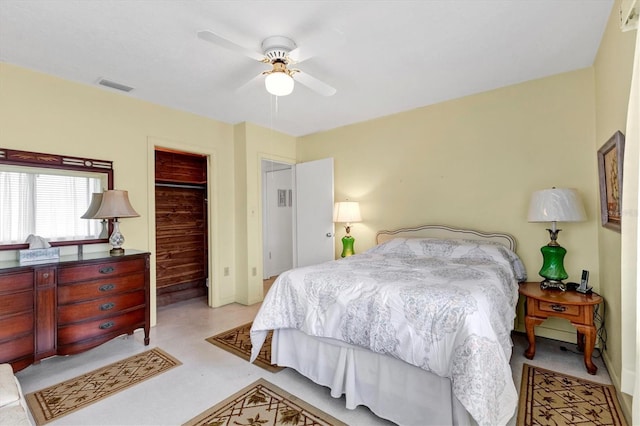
226	271
254	271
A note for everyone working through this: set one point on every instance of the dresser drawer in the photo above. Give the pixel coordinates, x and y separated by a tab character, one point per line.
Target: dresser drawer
81	292
45	276
559	309
16	348
16	325
16	282
70	334
16	302
100	307
100	270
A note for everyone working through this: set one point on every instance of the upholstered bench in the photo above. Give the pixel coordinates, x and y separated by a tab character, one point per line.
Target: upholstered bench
13	407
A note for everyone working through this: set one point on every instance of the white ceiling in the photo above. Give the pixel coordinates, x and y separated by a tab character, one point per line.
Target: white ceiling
390	56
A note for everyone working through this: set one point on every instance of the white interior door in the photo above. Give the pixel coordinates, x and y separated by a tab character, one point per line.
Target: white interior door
314	240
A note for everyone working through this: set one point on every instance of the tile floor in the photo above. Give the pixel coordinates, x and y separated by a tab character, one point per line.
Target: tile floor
212	374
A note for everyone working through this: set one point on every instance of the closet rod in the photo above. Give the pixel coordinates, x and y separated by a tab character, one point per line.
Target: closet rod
181	185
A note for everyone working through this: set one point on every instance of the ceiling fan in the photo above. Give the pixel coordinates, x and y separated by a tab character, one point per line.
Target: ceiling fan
280	52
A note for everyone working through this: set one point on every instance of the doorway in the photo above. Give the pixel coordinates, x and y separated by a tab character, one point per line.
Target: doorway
181	226
277	217
297	224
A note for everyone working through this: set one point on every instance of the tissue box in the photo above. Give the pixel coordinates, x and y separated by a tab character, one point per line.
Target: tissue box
38	255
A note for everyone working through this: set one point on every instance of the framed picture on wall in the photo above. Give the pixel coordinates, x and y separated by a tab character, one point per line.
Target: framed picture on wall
610	161
282	198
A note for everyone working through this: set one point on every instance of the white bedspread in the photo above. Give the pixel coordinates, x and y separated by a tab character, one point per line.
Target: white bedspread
446	306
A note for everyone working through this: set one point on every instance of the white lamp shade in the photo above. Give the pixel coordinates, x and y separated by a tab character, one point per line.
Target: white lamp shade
279	83
96	200
115	204
556	205
346	212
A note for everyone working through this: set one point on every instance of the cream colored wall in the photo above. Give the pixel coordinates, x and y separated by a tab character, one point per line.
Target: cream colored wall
474	162
241	223
43	113
253	144
613	67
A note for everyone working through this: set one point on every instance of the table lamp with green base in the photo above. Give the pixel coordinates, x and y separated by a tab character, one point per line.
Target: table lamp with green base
555	205
347	212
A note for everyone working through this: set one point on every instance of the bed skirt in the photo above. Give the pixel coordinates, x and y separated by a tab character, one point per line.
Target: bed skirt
391	388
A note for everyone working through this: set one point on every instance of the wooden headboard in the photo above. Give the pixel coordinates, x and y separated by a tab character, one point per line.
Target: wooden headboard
442	231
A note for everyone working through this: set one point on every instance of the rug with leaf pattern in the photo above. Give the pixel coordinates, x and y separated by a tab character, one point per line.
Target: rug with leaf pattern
64	398
264	404
238	342
551	398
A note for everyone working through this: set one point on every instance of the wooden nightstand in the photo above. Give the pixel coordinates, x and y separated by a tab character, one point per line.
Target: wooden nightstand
570	305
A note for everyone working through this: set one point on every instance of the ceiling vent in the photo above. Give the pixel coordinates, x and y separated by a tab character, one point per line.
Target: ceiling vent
114	85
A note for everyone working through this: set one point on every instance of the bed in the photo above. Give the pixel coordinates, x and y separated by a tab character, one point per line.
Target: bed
416	328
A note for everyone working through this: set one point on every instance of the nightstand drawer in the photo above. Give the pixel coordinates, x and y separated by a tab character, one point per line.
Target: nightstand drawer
558	309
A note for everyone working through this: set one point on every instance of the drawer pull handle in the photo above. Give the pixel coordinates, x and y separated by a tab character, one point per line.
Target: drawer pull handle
106	270
107	306
558	308
107	287
45	275
106	325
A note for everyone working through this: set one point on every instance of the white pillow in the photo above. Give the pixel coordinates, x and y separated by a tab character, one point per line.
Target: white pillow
453	249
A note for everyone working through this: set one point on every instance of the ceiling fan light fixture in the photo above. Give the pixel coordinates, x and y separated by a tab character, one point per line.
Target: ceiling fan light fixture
279	83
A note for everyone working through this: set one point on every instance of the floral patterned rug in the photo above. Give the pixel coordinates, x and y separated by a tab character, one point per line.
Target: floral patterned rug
59	400
238	342
551	398
264	404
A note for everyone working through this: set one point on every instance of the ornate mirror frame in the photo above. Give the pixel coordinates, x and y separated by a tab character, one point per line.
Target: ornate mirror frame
63	162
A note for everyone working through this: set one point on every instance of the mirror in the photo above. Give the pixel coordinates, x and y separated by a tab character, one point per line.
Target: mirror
45	195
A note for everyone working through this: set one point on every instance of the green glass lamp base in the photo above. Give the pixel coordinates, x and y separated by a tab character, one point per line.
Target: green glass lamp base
347	246
552	267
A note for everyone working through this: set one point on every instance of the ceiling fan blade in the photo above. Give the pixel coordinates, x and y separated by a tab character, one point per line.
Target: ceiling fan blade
249	84
327	42
227	44
314	84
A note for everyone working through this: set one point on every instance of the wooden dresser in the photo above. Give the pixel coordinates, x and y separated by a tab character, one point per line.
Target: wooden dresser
71	305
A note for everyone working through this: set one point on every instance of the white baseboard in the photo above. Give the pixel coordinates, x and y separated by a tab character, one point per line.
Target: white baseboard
625	399
628	381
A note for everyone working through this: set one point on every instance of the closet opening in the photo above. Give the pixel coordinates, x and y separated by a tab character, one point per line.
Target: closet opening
181	226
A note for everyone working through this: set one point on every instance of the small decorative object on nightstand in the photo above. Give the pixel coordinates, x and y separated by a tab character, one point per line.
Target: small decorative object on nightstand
575	307
347	212
555	205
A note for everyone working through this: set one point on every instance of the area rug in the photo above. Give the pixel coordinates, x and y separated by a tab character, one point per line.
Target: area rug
238	342
264	404
551	398
71	395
